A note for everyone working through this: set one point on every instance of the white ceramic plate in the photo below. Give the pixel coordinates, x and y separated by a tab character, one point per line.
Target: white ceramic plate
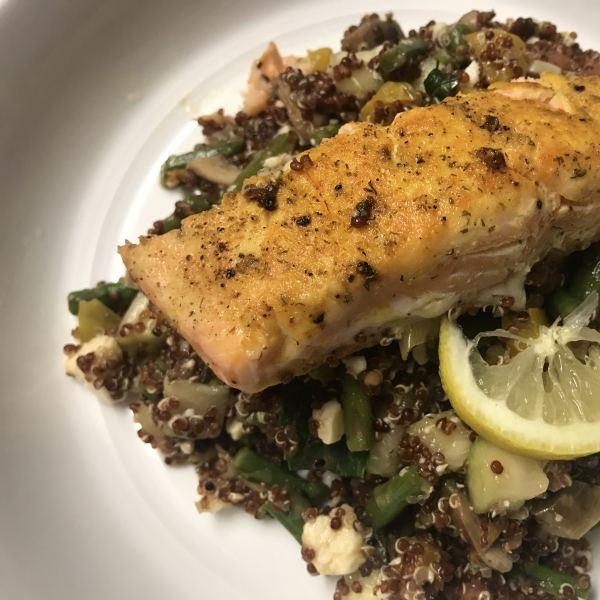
93	95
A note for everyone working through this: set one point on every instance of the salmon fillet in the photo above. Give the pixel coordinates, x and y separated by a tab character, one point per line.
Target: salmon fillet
457	201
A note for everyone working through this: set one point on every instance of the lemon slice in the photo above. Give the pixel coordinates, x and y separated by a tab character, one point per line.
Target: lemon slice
544	402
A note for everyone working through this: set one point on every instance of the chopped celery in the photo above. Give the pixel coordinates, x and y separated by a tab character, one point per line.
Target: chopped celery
95	318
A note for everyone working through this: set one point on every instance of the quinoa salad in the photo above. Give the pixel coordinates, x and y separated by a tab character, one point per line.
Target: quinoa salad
364	460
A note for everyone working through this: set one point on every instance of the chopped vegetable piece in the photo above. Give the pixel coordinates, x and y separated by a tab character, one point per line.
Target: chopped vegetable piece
216	169
561	304
230	147
439	84
497	477
324	374
444	432
292	520
469	528
117	296
455	38
169	223
400	54
358	416
296	411
442	58
322	133
389	499
281	144
334	457
388	93
501	60
320	58
360	83
571	512
151	396
137	328
554	582
528	329
195	203
95	318
253	466
586	278
195	398
510	403
383	457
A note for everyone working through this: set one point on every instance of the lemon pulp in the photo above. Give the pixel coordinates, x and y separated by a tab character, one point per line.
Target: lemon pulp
544	402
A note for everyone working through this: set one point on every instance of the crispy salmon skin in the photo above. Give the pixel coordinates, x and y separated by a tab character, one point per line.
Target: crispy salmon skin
449	206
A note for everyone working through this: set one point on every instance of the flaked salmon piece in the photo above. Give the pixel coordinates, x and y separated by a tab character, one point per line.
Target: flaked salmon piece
263	71
454	203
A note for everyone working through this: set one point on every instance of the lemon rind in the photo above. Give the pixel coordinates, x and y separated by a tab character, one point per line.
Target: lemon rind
494	421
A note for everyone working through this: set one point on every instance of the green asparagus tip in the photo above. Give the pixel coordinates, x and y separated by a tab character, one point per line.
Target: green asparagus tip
117	296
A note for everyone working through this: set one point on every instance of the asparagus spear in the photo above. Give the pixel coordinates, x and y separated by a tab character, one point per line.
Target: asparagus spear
389	499
358	416
196	203
554	582
280	144
325	374
117	296
230	147
322	133
401	53
256	467
561	303
586	278
292	520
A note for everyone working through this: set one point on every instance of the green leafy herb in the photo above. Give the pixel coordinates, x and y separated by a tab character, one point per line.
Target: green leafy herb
439	84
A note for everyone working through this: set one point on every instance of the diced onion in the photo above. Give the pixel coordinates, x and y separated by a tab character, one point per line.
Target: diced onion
539	66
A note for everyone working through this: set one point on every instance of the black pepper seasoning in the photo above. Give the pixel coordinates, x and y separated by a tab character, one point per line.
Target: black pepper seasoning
366	270
491	123
362	212
303	221
492	158
265	196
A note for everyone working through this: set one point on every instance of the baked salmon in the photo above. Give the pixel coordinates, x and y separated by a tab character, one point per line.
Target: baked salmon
449	206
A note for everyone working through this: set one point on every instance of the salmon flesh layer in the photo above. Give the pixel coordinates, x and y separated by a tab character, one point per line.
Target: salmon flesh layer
457	202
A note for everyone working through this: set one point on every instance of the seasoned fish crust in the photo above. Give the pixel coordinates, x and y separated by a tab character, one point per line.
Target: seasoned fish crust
465	196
